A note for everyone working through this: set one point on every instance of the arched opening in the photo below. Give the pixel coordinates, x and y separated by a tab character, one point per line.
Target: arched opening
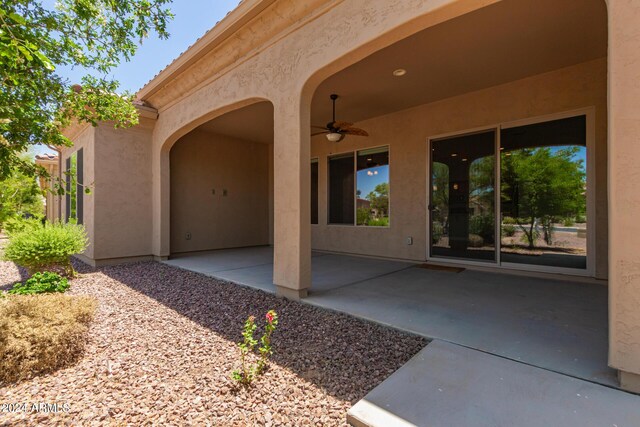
221	176
442	105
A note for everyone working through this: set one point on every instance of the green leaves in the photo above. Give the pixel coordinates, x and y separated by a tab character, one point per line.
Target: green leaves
45	282
35	40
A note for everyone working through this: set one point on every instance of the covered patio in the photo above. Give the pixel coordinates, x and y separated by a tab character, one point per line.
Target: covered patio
557	325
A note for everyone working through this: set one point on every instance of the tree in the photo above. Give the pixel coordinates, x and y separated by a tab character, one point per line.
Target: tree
20	196
379	199
542	184
36	103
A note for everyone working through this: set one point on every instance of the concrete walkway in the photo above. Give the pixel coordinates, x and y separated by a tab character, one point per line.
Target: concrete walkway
449	385
254	267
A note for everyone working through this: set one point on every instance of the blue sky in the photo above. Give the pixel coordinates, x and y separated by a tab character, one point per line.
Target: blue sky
367	183
192	19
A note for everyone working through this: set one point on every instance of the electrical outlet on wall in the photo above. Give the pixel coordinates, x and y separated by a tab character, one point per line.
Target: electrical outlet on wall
187	236
409	240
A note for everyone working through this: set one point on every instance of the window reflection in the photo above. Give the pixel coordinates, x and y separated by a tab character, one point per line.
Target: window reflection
372	193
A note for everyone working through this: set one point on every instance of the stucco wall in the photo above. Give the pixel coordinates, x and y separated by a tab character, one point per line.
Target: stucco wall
201	162
121	191
406	132
84	139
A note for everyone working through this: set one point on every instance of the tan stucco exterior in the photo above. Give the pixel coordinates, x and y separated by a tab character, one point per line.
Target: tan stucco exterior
281	51
219	193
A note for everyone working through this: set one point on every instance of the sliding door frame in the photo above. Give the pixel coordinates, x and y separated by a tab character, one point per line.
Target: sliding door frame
589	113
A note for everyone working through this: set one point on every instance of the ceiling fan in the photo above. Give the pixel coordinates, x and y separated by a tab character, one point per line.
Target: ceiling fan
336	130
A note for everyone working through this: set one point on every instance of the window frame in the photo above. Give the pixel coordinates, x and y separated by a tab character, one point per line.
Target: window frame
354	154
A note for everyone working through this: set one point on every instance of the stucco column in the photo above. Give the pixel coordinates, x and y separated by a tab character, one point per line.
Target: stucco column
160	199
624	191
292	212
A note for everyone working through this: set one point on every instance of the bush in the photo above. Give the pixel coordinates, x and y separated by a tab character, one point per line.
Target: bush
46	282
363	216
437	230
41	333
509	220
16	224
568	222
379	222
475	241
47	248
508	230
482	225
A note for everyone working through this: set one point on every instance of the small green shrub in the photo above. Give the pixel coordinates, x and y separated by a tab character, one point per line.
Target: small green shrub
581	219
568	222
437	230
363	216
509	220
475	241
40	283
17	224
482	225
47	248
508	230
379	222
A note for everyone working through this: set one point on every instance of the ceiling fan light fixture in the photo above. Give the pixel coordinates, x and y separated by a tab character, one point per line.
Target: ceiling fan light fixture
335	137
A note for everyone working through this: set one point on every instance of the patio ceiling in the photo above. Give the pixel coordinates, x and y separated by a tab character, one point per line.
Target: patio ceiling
507	41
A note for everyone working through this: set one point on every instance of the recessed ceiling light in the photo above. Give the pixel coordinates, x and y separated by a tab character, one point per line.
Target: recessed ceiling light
464	160
399	72
454	154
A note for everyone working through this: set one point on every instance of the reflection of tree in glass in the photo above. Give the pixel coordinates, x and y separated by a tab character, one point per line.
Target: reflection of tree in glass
440	193
542	184
379	199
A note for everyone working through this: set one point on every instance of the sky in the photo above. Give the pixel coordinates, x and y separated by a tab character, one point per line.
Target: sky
192	19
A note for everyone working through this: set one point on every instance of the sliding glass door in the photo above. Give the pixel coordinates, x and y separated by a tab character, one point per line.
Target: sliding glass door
525	208
543	181
462	205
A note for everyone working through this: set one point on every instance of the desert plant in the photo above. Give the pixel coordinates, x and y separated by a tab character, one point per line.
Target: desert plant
509	220
475	241
271	322
41	333
437	230
249	371
16	224
379	222
482	225
39	283
508	230
47	248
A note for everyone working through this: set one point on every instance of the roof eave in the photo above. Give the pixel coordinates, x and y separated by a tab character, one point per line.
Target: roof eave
245	12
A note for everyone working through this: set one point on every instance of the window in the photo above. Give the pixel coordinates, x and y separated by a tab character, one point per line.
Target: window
341	189
372	193
367	203
74	189
314	191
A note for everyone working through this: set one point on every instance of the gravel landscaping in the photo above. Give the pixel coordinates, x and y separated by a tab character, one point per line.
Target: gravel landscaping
162	348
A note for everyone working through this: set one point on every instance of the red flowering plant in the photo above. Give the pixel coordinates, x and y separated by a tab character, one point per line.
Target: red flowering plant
249	371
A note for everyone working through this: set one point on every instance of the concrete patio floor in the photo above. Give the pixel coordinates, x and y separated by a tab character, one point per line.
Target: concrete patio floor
556	325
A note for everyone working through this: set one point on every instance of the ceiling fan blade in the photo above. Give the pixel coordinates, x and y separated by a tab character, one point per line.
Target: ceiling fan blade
355	131
342	125
320	133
